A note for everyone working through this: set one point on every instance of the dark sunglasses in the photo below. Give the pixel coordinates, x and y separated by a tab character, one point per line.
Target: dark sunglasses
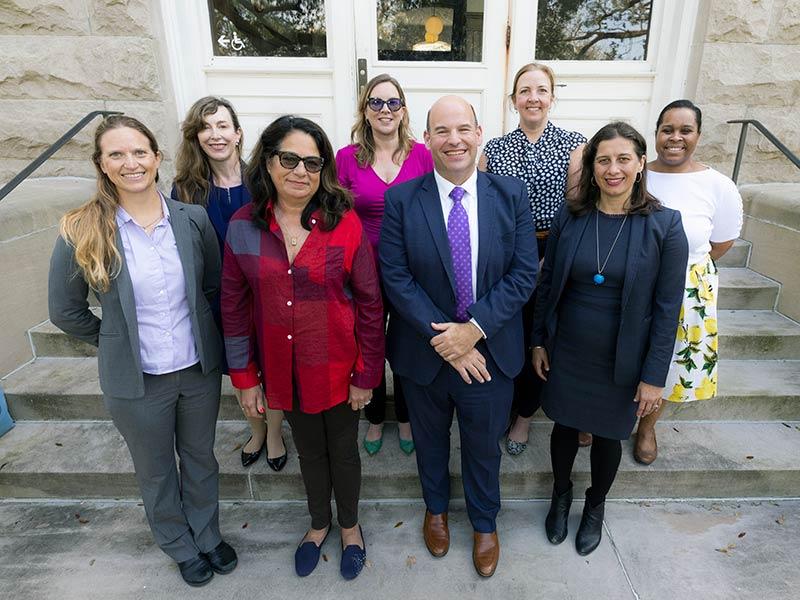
376	104
290	160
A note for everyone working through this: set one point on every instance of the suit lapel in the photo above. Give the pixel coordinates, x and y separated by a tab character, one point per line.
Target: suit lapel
578	230
634	250
127	301
486	221
432	209
183	240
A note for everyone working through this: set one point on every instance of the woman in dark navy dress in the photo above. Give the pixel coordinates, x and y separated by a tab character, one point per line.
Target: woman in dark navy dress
209	172
608	298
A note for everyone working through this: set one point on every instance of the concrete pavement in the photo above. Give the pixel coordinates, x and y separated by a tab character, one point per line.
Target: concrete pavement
672	550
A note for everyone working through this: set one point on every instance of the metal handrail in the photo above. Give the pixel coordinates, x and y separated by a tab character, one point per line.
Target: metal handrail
767	134
55	147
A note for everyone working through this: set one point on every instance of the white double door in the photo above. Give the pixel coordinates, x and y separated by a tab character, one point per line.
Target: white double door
325	89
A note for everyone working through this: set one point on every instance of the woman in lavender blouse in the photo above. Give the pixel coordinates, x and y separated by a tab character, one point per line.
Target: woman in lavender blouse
383	154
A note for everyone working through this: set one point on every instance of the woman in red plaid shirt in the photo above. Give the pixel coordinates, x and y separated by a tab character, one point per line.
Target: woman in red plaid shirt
303	321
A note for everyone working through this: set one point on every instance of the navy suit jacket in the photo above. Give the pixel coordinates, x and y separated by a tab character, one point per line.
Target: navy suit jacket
417	272
652	292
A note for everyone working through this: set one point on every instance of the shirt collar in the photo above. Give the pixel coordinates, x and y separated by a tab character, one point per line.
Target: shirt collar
445	187
123	218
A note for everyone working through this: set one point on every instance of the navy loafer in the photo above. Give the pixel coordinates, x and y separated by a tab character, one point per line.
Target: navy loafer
353	559
306	556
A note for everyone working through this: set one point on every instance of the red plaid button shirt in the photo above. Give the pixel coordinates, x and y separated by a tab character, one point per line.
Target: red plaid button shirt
319	319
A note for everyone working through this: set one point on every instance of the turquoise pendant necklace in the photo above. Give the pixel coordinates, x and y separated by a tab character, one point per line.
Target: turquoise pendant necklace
599	278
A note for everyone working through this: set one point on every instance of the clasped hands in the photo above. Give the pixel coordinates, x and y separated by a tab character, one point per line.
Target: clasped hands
456	345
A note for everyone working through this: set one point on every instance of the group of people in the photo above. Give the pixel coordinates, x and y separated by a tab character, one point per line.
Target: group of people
552	271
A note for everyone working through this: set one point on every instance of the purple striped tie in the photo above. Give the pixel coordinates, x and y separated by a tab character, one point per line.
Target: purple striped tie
461	253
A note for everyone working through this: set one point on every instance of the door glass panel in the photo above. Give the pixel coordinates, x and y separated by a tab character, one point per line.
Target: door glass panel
449	30
268	27
593	29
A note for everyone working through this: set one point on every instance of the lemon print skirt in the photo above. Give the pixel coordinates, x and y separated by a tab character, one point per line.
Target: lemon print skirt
693	371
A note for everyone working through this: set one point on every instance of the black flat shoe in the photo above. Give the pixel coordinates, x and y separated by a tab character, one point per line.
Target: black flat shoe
222	559
276	464
590	531
196	571
556	522
248	458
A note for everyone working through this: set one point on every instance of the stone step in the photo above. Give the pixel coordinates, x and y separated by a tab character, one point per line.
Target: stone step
90	460
737	256
742	288
757	334
68	389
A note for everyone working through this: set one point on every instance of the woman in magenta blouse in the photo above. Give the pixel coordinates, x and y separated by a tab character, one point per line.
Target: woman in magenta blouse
383	153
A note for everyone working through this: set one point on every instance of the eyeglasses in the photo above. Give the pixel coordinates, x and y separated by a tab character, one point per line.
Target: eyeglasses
290	160
394	104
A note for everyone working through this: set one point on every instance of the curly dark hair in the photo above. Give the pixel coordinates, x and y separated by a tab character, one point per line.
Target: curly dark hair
641	201
331	198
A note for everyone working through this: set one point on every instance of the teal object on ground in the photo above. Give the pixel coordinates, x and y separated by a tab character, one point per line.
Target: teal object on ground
373	447
407	446
6	422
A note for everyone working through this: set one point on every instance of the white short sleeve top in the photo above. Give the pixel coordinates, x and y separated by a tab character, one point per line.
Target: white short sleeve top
709	203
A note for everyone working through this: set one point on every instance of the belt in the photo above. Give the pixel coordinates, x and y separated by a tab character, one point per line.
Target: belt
542	235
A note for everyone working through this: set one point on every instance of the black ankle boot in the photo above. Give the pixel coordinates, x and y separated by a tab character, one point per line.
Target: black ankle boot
556	522
590	531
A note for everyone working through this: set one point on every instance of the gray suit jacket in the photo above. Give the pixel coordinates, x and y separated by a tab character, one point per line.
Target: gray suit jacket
116	335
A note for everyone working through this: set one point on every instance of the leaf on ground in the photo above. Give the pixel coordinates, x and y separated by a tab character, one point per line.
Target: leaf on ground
3	466
244	526
91	563
325	557
749	457
676	430
715	507
83	521
396	525
411	560
237	447
786	425
726	549
780	520
140	504
741	535
59	444
368	564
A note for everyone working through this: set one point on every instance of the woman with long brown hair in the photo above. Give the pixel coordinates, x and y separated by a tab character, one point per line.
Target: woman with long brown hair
154	265
209	169
383	153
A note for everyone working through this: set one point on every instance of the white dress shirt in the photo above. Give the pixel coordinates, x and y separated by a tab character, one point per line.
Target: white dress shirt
470	203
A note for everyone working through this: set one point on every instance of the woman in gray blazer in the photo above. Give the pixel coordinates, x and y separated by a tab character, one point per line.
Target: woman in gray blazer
154	265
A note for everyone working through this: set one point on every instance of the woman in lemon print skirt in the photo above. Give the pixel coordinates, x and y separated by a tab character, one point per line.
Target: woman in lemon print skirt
711	208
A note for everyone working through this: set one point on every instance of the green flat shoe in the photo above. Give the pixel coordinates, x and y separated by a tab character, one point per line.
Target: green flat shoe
407	446
373	448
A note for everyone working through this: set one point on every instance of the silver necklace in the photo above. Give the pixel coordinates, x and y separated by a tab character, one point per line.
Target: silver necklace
599	278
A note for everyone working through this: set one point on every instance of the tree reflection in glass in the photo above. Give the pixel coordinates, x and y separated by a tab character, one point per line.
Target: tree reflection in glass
268	27
593	29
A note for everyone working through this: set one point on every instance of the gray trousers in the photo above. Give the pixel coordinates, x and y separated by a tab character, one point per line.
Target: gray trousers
177	413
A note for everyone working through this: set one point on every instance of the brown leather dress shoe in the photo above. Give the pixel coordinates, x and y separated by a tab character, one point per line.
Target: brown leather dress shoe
645	454
485	553
436	534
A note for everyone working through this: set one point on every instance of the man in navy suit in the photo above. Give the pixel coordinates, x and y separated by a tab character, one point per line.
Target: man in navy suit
458	260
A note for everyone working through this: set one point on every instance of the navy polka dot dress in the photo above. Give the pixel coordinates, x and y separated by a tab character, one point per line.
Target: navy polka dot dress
542	165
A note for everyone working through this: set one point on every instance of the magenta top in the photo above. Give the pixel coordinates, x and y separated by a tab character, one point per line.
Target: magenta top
368	189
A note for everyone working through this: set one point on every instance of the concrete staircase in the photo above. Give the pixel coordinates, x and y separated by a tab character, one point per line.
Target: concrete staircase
745	443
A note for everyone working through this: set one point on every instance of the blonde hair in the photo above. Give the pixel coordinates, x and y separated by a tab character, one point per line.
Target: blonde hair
91	229
534	66
361	133
192	171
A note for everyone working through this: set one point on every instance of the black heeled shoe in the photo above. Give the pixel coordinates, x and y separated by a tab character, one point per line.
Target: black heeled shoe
556	522
248	458
276	464
590	531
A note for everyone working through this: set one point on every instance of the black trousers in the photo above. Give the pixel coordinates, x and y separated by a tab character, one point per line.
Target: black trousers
527	385
605	456
327	446
375	411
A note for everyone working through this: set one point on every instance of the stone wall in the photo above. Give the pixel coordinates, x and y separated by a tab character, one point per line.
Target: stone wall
750	69
65	58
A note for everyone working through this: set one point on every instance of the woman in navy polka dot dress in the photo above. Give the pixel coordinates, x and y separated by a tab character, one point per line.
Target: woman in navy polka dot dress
548	159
